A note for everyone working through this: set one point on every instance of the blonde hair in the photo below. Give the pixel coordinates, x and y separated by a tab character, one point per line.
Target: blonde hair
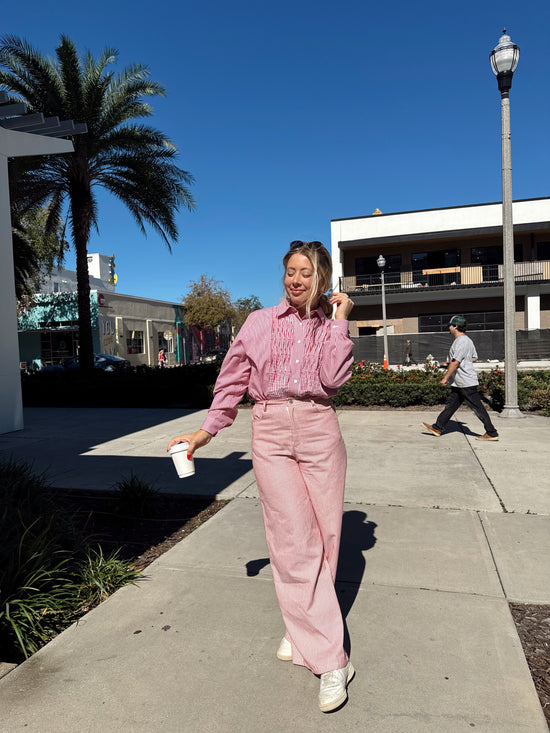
321	264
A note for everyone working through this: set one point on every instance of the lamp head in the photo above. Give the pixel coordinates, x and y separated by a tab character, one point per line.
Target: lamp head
504	60
381	261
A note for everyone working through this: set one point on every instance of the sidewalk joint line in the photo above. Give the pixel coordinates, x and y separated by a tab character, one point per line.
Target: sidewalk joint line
492	556
491	484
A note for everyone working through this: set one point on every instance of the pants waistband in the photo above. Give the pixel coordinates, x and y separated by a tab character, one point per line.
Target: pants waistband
291	400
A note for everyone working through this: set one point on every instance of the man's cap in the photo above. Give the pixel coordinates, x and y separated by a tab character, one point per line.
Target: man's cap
457	321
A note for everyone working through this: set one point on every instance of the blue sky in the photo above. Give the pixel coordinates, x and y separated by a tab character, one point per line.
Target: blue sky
291	114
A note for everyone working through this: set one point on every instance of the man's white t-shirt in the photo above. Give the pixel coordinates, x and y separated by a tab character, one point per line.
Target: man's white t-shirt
464	351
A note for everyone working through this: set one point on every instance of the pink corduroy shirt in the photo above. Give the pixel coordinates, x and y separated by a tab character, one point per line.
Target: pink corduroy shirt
278	355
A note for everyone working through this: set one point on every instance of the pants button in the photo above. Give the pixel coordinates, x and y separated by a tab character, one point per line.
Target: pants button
290	401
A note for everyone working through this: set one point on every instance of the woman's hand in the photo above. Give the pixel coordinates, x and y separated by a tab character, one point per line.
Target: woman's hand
195	440
343	303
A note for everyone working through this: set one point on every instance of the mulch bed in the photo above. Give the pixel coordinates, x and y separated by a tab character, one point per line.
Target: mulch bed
533	625
143	533
140	531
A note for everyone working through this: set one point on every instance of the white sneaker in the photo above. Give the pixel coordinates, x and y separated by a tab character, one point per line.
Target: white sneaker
333	692
284	652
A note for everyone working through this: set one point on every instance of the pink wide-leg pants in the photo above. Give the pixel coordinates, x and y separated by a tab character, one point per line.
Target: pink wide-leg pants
299	459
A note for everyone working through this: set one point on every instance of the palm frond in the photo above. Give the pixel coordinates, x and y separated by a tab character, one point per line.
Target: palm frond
43	84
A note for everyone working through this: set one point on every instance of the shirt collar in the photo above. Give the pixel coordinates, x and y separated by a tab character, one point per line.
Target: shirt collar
285	307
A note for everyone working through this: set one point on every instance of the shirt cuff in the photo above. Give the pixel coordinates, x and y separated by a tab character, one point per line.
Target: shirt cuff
211	426
341	325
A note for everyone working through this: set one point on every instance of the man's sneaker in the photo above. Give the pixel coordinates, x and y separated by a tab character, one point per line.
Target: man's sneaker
486	437
333	691
431	428
284	652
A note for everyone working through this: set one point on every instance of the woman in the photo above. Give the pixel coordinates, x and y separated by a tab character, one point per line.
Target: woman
292	358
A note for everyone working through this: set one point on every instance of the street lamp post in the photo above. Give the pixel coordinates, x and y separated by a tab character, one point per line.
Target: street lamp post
381	262
504	60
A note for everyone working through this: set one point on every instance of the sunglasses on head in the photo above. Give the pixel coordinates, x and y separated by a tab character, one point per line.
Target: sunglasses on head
312	245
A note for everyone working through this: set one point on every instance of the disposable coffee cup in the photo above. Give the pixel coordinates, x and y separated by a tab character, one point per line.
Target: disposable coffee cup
184	466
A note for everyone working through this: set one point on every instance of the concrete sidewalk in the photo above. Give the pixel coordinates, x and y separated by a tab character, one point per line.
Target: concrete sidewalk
439	534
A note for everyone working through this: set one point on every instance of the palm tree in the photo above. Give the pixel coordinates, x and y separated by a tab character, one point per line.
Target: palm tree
132	161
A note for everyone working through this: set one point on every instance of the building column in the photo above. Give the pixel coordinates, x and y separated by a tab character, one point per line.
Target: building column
532	309
11	403
119	337
150	349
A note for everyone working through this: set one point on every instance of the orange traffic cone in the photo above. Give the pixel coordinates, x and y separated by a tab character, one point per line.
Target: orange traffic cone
385	362
447	360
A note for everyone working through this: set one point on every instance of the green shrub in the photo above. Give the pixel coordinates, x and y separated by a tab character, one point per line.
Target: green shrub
539	399
134	496
371	384
36	590
185	386
47	569
98	577
491	385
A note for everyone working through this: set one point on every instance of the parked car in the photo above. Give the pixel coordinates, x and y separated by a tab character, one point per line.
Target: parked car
107	362
213	357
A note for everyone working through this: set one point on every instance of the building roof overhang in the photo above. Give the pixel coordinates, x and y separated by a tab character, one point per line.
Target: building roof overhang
447	223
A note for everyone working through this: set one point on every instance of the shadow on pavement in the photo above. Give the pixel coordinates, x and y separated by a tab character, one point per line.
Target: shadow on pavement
103	472
357	538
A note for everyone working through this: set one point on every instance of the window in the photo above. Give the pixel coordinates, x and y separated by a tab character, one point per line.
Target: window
481	321
436	260
493	255
368	272
543	250
166	344
134	342
57	345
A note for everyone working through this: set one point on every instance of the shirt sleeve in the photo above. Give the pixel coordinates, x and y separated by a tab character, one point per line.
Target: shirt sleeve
231	384
336	356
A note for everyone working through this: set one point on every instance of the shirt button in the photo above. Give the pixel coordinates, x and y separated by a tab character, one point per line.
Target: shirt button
299	341
297	361
295	381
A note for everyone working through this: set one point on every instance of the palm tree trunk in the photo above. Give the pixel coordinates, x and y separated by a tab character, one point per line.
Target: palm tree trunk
81	209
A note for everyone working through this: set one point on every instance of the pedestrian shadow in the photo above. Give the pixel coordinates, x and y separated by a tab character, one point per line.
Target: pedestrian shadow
455	426
357	538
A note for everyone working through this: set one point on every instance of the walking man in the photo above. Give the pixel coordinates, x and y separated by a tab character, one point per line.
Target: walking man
462	378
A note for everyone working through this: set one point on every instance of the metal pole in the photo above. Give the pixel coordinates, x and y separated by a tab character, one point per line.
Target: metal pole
511	408
384	319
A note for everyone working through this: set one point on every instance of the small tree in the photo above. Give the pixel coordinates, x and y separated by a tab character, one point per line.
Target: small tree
243	308
207	304
35	251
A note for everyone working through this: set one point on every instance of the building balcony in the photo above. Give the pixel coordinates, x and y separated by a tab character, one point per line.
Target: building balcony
445	278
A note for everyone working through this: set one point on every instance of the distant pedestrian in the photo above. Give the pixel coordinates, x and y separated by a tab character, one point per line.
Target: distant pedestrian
462	377
162	358
408	357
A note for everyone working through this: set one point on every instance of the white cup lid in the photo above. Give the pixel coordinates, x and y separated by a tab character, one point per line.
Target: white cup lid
178	447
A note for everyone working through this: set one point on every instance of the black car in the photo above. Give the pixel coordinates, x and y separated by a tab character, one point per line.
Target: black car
213	357
107	362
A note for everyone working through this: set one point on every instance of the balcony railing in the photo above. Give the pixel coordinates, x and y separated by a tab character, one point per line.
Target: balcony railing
445	278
